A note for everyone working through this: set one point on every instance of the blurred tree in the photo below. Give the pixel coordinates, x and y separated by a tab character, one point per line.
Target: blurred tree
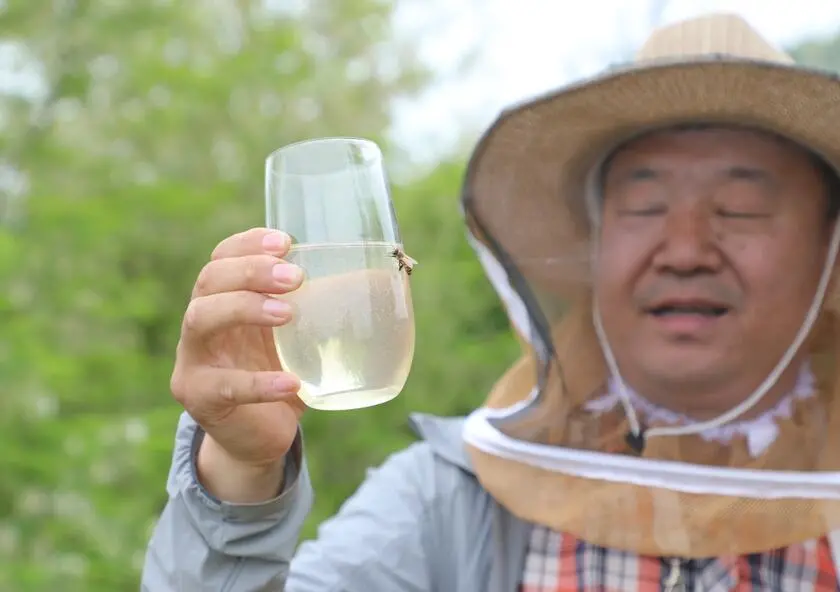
134	136
819	53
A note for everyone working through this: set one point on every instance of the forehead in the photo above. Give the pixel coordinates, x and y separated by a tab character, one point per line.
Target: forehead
704	142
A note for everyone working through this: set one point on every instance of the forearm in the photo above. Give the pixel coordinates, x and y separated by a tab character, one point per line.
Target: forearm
201	543
234	482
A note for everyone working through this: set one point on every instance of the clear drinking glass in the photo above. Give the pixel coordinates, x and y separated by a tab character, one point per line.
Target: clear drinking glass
351	342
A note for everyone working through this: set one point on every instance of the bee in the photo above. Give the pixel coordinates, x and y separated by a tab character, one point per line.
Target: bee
404	261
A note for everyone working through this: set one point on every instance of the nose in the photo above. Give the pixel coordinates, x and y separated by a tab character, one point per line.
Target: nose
688	244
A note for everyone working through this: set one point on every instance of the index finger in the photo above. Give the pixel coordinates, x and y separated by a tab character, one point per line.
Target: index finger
255	241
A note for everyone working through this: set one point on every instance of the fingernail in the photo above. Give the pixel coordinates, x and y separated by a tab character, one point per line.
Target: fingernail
276	242
287	274
276	308
286	384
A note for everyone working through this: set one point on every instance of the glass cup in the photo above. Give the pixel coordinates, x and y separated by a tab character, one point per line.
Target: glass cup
351	341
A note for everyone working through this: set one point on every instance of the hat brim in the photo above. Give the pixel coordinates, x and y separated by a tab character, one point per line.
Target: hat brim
525	185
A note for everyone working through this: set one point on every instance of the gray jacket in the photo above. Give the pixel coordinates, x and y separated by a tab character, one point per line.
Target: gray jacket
419	523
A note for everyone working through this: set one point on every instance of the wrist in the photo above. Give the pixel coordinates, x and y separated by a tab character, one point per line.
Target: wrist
233	481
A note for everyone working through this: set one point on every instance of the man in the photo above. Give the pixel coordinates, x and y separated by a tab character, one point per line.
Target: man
675	428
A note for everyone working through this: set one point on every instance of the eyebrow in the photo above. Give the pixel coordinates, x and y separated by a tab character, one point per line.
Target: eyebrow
637	171
748	172
645	171
828	172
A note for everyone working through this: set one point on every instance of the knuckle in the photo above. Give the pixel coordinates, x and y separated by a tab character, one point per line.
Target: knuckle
218	251
227	391
192	316
179	386
245	307
204	280
254	384
251	271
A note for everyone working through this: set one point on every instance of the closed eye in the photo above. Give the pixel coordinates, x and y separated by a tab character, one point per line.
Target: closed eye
747	173
641	174
744	215
650	211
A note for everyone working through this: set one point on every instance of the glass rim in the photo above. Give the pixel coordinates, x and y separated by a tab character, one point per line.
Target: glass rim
324	140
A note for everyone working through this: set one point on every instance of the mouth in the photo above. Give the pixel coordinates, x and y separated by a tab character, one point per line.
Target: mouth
706	310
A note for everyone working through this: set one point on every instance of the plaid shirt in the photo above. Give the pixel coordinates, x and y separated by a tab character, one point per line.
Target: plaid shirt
563	563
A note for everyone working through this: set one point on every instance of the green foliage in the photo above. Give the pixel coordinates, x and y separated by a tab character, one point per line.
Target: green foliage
819	53
140	146
143	147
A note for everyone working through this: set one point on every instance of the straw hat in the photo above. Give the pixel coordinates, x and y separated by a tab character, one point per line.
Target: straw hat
528	174
524	199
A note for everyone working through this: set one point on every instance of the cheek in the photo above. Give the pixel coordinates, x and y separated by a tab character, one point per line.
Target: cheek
780	275
618	265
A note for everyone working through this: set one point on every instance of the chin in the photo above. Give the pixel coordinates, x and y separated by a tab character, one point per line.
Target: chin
682	369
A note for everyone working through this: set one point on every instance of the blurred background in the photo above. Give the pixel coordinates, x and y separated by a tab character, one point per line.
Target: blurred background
133	139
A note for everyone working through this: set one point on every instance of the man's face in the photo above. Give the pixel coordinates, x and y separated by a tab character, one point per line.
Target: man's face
712	243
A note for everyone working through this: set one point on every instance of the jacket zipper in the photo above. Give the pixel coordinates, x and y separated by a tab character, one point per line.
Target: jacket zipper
674	580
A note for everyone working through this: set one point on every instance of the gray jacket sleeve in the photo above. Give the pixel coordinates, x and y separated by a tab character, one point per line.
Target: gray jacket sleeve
380	540
202	544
